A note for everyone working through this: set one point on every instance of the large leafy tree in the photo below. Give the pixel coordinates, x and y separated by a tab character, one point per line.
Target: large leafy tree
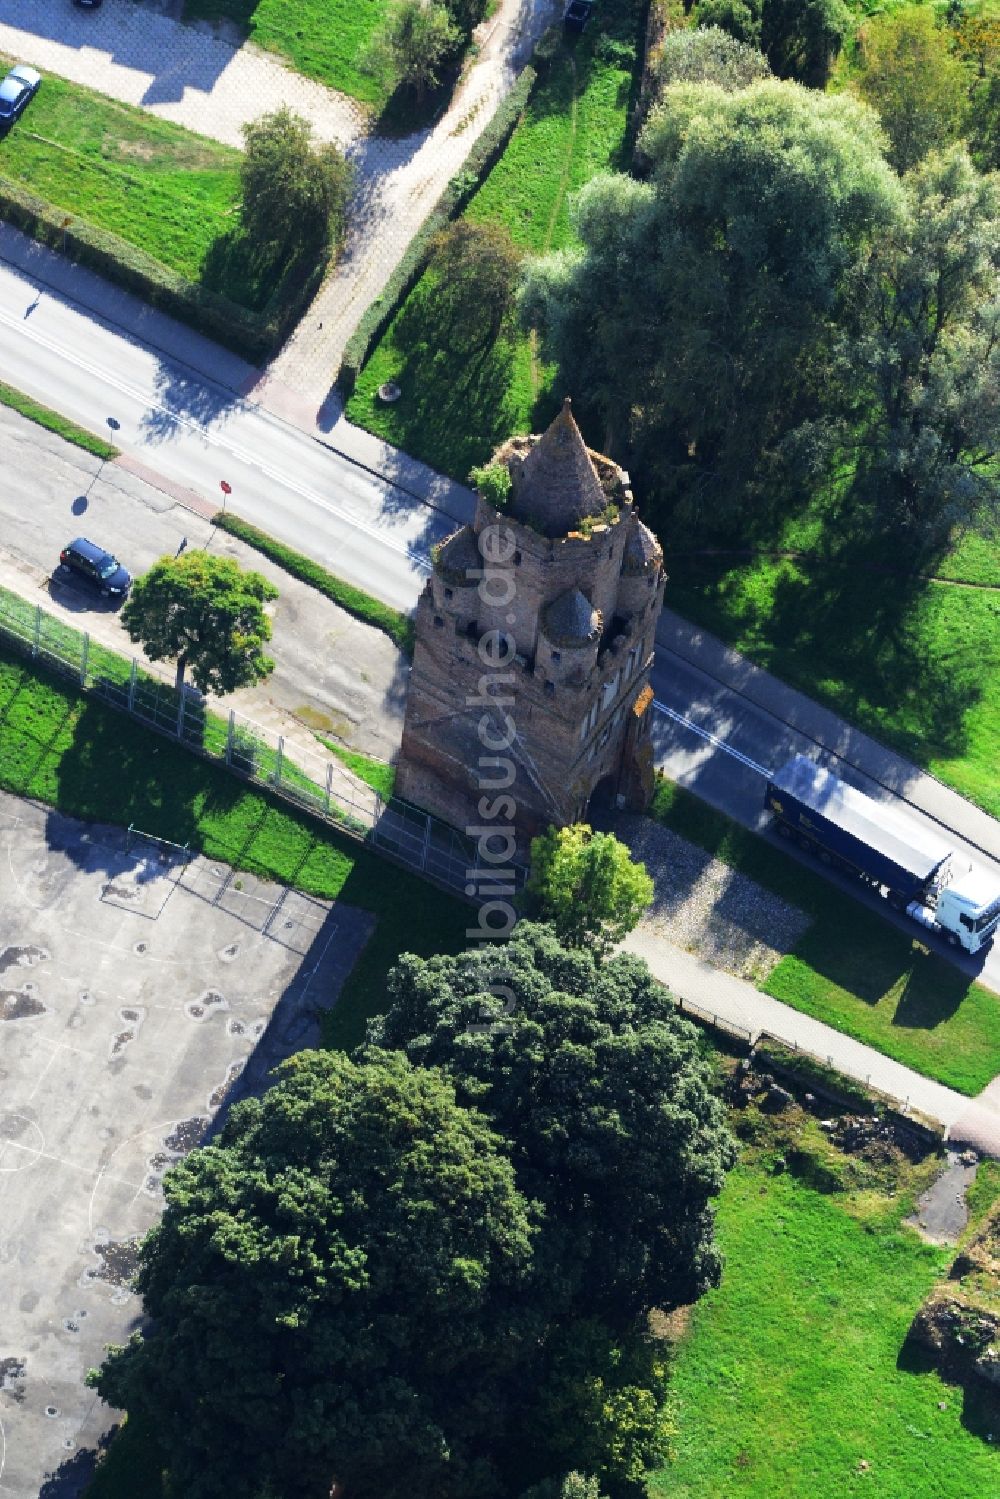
708	54
333	1288
799	38
695	316
587	886
617	1138
208	614
474	269
910	74
414	45
294	191
922	370
600	1086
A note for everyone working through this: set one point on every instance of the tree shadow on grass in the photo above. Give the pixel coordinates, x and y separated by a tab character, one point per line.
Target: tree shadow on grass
932	994
980	1402
848	629
454	409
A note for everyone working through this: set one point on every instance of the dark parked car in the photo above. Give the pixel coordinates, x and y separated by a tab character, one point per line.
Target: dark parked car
17	89
97	567
577	14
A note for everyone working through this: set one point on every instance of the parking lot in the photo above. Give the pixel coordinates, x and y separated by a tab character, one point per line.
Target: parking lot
140	991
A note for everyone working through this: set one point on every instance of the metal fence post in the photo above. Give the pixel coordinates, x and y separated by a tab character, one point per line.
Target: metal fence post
329	785
180	713
38	629
278	761
230	735
84	655
131	687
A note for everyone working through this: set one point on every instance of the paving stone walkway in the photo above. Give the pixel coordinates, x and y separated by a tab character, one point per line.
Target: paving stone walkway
186	74
974	1122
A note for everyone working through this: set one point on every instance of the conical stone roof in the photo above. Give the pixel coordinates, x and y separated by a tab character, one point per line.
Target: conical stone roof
571	619
556	484
642	550
458	557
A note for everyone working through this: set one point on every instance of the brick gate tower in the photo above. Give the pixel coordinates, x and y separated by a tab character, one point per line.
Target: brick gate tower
534	642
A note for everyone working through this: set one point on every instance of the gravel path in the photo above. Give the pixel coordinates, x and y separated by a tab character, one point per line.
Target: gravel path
706	908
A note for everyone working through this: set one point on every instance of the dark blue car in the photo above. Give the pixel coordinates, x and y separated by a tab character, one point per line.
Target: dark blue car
93	565
18	88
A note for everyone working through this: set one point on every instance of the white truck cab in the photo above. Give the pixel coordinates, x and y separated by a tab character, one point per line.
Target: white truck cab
967	910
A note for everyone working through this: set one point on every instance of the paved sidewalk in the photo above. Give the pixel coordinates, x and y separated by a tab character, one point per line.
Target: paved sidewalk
181	73
970	1121
834	734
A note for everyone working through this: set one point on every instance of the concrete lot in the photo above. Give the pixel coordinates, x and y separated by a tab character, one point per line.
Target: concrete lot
138	994
332	672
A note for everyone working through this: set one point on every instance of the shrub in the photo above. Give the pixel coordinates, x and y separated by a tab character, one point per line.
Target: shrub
493	482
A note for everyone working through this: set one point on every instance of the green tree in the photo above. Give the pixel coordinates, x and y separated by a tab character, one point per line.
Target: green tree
599	1085
294	192
910	75
978	44
739	18
466	14
923	366
414	45
709	54
617	1138
333	1288
474	268
801	38
206	612
587	886
694	318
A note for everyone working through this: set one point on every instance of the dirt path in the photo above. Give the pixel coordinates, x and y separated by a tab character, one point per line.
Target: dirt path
398	183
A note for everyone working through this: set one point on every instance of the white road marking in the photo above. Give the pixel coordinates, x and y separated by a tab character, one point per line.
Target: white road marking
418	556
711	738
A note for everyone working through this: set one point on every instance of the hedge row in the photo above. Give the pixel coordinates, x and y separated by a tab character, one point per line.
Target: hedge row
252	335
392	622
478	164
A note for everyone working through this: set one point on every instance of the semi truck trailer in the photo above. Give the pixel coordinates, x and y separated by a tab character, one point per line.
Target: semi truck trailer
913	869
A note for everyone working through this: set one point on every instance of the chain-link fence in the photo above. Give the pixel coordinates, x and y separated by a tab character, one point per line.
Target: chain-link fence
291	766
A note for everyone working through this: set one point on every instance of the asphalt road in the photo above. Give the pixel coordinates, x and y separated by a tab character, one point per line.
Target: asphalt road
192	428
721	746
196	433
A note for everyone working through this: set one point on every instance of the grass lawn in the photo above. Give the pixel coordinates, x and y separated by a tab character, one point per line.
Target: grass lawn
82	757
156	185
574	126
376	773
853	970
322	38
44	416
793	1374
